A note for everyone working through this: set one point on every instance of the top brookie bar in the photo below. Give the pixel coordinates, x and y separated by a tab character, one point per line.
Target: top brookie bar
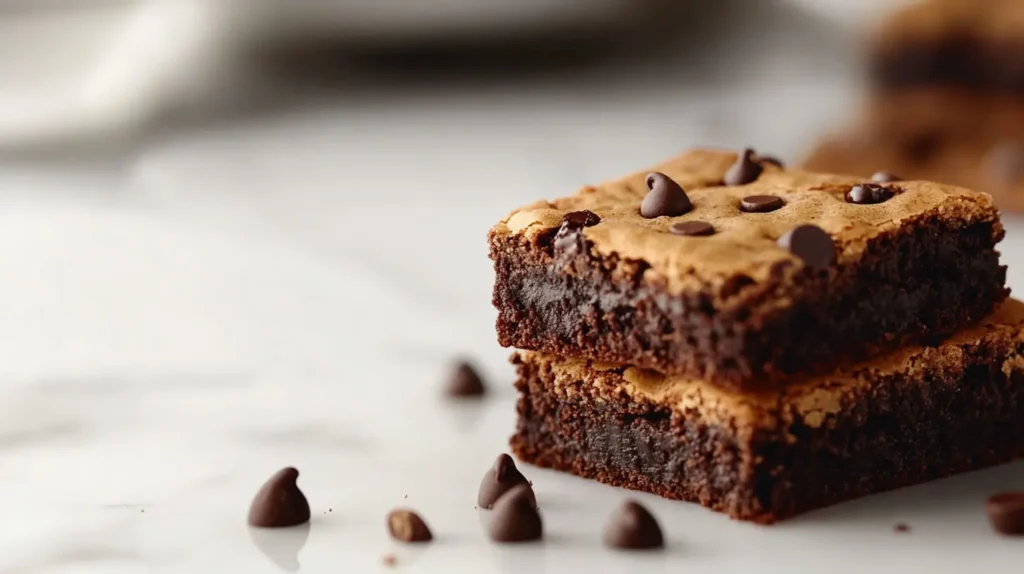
778	272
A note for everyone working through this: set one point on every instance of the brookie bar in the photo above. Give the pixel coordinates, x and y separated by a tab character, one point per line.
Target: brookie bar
917	414
730	269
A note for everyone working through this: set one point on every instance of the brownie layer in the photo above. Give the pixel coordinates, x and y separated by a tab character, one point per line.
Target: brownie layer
954	408
953	62
923	280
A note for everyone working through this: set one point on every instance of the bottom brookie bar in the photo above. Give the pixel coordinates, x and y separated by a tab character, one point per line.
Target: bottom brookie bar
914	415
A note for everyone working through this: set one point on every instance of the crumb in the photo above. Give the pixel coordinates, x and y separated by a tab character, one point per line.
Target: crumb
475	507
390	560
406	496
901	527
531	483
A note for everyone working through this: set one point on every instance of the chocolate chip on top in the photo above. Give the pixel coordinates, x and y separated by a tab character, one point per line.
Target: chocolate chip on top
760	203
745	170
580	219
1006	512
763	159
692	228
810	243
633	527
884	177
665	198
868	193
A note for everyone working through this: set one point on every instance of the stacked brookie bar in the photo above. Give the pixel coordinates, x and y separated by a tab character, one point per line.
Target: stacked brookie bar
759	340
946	100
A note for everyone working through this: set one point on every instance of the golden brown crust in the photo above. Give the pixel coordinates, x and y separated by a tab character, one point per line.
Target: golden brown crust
813	398
744	243
955	161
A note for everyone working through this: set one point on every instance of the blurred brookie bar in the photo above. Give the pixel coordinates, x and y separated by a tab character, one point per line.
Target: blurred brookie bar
946	100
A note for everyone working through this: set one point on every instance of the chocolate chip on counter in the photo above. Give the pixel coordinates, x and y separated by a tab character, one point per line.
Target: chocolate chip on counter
633	527
884	177
279	502
516	518
693	228
760	203
407	526
868	193
810	243
501	478
745	170
580	219
1006	162
763	159
901	527
1006	512
665	198
464	381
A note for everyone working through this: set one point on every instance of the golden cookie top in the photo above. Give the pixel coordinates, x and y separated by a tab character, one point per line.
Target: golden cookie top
746	239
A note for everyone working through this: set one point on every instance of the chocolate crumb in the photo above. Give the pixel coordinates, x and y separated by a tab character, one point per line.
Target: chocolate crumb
389	560
901	527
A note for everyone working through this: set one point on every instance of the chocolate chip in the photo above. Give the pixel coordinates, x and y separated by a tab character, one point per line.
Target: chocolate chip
810	243
745	170
407	526
665	198
763	159
501	478
868	193
633	527
884	177
279	502
760	203
1006	512
516	518
464	381
692	228
901	527
580	219
1006	162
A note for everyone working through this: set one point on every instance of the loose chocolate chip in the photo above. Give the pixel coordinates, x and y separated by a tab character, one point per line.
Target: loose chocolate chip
633	527
901	527
1006	162
407	526
665	198
501	478
884	177
279	502
763	159
745	170
1006	512
692	228
580	219
760	203
516	518
868	193
464	381
810	243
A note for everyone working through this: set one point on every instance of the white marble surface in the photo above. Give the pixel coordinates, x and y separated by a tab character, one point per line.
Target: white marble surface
288	291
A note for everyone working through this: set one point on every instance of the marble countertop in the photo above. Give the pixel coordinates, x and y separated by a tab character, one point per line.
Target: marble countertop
288	290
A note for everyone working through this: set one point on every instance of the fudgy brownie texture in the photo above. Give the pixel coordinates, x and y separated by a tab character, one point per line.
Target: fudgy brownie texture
914	415
737	307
